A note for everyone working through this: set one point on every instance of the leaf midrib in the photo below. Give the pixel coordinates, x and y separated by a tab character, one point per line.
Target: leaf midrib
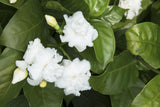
125	66
147	42
34	26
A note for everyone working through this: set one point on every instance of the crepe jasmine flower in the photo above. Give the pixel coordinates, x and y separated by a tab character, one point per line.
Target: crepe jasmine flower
41	63
133	5
21	72
45	67
52	22
12	1
19	75
78	32
75	77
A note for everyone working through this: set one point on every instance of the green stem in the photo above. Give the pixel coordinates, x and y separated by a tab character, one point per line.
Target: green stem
115	2
65	53
59	31
147	65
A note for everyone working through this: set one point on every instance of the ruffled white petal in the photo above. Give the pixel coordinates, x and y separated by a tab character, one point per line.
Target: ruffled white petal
75	77
32	50
43	58
78	32
133	5
21	64
52	71
34	82
19	75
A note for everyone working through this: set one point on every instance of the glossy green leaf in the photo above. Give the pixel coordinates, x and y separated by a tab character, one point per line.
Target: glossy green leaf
25	25
75	5
6	12
104	45
97	7
113	15
89	55
54	5
144	40
125	98
8	91
119	74
17	5
155	12
91	99
49	96
146	76
150	95
20	101
68	99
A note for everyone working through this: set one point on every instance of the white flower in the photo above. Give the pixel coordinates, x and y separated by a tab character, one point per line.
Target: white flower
19	75
78	32
41	63
12	1
45	67
133	5
75	77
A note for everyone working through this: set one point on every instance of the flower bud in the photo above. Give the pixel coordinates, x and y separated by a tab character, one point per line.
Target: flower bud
52	21
12	1
43	84
19	75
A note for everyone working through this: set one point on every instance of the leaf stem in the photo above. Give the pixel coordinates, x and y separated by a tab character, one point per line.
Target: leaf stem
147	65
65	53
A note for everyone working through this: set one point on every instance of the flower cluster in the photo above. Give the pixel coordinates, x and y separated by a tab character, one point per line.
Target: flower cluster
46	65
77	32
133	5
43	64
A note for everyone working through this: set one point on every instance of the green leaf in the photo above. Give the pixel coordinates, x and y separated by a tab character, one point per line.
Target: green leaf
16	5
104	45
91	99
89	55
49	96
97	7
119	74
25	25
144	40
20	101
6	12
8	91
75	5
113	14
0	29
155	12
125	98
68	99
150	95
54	5
146	76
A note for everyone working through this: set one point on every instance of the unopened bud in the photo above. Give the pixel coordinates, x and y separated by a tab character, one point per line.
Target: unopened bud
52	21
12	1
43	84
19	75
